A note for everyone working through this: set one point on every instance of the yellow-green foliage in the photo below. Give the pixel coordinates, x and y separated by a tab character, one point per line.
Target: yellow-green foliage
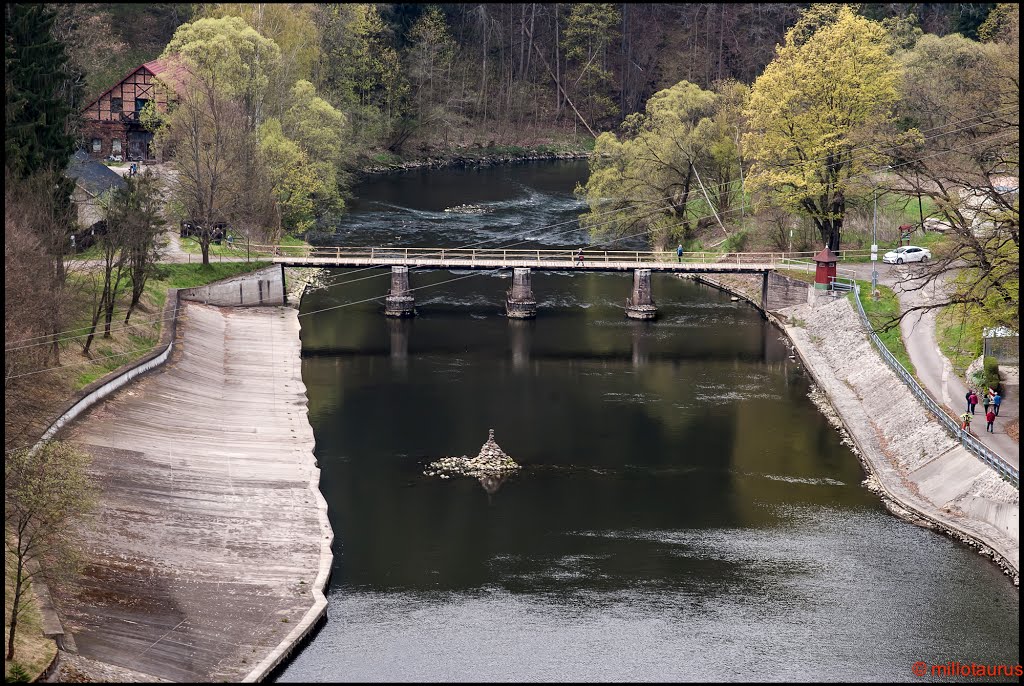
648	171
817	102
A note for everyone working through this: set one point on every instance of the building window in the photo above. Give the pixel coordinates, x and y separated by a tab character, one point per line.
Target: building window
97	145
115	146
116	105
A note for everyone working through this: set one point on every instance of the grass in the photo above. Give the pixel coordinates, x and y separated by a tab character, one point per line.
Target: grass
959	334
32	651
191	245
880	312
129	343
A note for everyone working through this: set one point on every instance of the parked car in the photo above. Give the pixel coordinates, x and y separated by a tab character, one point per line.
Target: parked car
907	253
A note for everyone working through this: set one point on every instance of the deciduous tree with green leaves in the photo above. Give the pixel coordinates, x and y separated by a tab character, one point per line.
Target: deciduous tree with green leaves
45	490
830	88
649	172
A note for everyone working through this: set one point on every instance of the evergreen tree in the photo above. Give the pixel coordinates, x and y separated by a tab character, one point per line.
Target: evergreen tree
42	92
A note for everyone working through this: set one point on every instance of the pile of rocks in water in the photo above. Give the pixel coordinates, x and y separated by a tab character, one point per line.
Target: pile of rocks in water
492	461
469	209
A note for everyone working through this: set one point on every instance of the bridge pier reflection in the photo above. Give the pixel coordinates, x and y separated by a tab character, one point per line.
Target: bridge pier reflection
521	333
398	334
520	303
640	304
399	302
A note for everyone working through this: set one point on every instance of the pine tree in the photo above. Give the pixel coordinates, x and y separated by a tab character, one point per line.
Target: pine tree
41	90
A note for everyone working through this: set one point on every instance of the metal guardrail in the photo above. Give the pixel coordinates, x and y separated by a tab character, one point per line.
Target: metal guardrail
1008	471
505	254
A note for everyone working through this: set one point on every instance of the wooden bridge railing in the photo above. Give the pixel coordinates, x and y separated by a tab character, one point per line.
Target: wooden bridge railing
388	255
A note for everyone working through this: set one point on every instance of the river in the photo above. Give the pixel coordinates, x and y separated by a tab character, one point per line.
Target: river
684	513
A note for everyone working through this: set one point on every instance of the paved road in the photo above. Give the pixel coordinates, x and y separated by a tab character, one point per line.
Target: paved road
933	368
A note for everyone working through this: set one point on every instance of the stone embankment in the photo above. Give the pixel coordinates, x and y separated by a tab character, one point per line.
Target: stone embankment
210	549
920	471
469	160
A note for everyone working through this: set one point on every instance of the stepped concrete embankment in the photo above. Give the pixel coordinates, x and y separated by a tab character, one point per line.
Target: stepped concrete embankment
919	470
208	554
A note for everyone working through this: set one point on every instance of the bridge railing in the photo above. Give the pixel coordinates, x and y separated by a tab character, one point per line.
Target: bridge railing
391	255
1004	468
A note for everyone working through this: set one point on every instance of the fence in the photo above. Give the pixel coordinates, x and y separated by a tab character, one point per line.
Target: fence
1008	471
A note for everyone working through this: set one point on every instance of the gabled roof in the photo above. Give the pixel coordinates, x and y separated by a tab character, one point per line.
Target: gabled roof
169	71
96	178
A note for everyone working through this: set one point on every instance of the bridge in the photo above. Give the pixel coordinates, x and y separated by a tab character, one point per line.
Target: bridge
520	303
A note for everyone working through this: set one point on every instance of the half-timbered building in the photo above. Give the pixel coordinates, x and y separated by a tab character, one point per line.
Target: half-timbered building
110	124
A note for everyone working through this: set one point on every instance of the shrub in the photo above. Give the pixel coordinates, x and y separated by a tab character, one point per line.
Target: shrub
16	674
991	373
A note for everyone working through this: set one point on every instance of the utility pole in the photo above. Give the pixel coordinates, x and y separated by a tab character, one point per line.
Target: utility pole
874	243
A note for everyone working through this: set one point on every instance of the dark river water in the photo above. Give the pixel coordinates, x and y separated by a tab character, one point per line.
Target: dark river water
684	513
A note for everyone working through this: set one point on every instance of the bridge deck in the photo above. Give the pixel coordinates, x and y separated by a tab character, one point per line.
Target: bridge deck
542	264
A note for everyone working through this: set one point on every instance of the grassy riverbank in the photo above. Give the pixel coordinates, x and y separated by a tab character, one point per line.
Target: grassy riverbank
880	313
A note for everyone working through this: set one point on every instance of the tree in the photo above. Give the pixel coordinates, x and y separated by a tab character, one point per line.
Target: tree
359	71
650	171
588	34
207	135
957	143
829	88
232	56
42	90
45	490
429	62
321	131
143	240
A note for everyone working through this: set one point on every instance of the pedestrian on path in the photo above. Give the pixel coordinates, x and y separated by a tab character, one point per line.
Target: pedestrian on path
990	417
986	400
965	420
972	401
996	402
679	253
967	397
579	258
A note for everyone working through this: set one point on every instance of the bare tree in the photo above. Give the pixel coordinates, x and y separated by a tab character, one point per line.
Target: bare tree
211	145
142	242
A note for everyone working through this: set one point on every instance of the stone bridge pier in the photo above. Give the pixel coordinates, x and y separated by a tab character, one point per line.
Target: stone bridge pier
399	302
520	303
640	304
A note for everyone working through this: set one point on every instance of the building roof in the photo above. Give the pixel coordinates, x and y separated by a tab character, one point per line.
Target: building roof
94	177
826	255
170	71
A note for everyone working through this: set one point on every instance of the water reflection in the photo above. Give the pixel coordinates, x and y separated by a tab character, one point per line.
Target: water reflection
683	512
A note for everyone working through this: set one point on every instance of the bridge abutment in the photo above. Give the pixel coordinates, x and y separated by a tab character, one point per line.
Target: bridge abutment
520	303
640	304
399	302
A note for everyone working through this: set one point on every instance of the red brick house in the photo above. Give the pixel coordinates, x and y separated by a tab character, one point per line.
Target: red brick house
110	124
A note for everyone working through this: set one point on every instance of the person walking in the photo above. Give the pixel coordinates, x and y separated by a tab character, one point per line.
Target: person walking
990	418
972	400
579	258
965	420
986	400
967	397
997	400
679	253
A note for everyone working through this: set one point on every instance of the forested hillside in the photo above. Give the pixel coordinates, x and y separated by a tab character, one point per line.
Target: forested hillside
417	78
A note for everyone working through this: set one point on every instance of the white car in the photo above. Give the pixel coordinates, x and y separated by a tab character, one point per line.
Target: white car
907	253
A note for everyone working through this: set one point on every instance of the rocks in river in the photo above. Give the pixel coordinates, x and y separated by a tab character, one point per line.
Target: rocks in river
469	209
490	462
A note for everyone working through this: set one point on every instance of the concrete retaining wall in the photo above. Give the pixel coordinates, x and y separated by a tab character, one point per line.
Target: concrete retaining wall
260	288
784	291
921	475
